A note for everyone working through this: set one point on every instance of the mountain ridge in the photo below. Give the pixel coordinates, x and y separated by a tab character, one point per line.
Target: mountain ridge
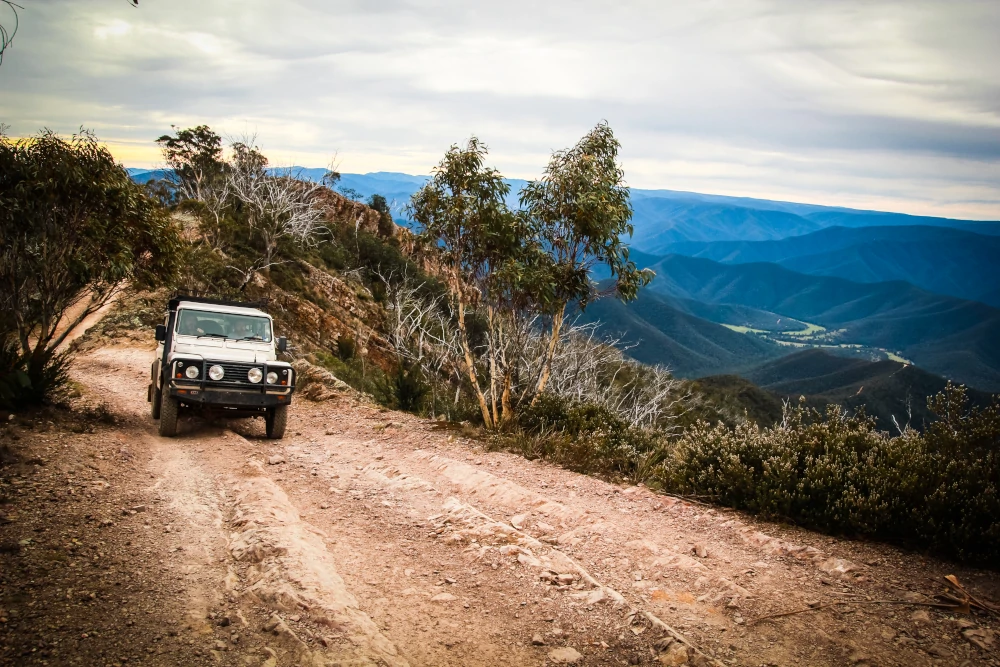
655	331
943	260
952	337
885	389
660	210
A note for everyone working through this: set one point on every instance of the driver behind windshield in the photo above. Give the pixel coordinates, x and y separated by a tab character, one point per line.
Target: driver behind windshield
244	330
220	325
189	327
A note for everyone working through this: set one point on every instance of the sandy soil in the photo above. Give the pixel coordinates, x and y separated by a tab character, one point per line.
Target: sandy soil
368	537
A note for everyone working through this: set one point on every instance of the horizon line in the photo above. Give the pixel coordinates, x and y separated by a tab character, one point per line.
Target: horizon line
689	192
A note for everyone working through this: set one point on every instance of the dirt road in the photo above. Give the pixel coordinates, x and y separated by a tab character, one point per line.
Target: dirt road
373	537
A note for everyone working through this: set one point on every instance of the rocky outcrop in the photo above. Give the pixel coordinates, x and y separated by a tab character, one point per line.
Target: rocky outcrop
317	384
355	214
335	308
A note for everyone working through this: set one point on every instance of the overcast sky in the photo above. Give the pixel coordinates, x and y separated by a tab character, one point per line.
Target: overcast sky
893	106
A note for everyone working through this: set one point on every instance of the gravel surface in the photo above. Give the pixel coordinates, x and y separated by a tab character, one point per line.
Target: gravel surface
373	537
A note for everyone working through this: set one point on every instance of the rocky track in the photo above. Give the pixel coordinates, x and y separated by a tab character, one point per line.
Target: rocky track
369	537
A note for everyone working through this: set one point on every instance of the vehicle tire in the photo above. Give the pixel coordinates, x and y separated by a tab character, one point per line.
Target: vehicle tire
169	407
154	401
275	422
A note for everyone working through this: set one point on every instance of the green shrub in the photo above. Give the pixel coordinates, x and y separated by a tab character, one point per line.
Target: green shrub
837	473
587	438
289	277
25	382
410	387
209	271
134	311
362	375
14	381
834	472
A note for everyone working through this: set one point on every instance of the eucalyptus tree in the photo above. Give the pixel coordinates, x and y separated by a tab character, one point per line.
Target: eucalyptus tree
581	210
194	155
479	242
7	34
74	231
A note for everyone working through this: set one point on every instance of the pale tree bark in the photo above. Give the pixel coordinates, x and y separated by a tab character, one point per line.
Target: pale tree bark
458	292
508	372
494	343
550	353
470	365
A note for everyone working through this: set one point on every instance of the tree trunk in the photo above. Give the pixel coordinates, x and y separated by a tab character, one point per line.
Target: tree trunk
494	341
543	377
470	364
508	411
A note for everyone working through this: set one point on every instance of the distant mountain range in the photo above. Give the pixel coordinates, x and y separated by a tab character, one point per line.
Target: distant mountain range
751	286
938	259
665	217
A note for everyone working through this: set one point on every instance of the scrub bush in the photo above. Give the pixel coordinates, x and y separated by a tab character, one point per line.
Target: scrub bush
836	473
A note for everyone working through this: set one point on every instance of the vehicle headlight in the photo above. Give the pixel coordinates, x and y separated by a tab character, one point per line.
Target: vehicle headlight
216	372
272	378
191	372
255	375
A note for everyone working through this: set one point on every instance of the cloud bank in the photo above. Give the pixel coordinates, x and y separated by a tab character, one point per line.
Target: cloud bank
890	105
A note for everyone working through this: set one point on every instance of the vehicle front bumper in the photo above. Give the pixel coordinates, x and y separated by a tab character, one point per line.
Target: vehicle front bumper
226	397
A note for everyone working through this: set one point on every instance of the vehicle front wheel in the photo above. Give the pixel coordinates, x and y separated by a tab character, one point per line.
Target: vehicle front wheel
169	407
275	422
155	398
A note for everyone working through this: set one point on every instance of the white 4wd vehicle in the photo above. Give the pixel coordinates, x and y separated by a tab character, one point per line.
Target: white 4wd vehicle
219	355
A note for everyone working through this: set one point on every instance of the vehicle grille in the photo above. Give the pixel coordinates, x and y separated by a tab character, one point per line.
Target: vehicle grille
234	373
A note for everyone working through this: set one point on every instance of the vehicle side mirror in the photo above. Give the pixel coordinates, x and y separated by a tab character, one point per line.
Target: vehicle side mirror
282	343
161	332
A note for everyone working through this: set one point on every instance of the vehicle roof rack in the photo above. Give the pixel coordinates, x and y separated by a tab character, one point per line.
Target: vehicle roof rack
213	299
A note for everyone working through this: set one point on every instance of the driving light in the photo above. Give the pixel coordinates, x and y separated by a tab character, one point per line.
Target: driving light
272	378
191	372
216	372
255	375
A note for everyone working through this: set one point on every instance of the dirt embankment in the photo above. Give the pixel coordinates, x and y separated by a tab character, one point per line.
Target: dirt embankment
372	537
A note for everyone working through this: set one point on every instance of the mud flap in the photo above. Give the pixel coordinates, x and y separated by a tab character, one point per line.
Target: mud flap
149	393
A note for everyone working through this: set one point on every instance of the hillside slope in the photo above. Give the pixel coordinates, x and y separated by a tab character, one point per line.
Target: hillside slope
661	333
948	336
885	389
937	259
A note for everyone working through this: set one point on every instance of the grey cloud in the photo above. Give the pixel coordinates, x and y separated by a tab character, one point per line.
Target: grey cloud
909	91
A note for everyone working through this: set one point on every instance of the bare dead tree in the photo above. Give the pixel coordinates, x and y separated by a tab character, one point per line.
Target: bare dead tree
421	331
586	367
278	205
909	416
591	369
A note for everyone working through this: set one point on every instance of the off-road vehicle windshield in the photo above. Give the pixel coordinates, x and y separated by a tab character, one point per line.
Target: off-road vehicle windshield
223	325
